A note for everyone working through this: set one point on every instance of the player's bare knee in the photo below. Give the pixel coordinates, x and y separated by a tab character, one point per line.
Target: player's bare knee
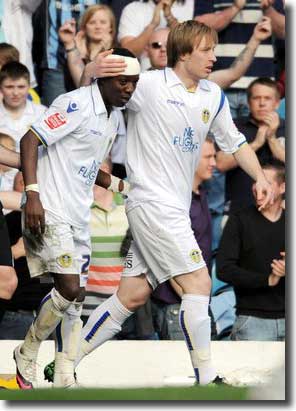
197	282
68	286
137	302
81	295
13	282
134	301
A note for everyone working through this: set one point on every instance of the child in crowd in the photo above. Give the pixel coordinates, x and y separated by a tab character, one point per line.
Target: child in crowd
10	53
17	113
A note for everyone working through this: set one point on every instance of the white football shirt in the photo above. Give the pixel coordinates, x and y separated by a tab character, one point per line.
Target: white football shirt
77	136
167	125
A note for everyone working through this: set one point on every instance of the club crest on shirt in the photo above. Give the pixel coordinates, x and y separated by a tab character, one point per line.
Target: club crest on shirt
72	107
55	120
65	260
205	115
195	256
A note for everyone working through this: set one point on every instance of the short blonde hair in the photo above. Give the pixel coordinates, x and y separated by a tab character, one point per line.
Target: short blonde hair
184	37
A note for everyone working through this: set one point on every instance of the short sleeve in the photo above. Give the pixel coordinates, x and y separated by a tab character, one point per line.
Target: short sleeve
62	118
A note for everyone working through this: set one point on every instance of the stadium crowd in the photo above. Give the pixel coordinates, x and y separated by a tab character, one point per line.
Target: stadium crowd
49	48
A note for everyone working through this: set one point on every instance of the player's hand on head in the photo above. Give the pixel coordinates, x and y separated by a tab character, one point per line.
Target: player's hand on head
102	66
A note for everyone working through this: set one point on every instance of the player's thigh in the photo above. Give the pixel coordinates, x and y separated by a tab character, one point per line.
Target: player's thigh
165	241
66	249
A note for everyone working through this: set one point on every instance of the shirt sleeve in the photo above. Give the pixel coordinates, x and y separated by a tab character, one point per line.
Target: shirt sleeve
229	268
63	117
227	136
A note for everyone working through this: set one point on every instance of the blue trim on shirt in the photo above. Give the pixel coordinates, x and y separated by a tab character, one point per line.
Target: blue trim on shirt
38	135
221	104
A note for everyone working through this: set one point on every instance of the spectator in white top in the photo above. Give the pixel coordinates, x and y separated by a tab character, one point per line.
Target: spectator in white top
16	29
140	18
17	113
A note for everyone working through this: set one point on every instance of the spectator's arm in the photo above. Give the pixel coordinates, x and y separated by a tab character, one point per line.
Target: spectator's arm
18	249
9	158
137	44
272	121
75	65
226	161
278	20
11	200
224	78
221	19
277	148
229	268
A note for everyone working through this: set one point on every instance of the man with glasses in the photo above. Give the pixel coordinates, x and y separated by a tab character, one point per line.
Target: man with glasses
156	49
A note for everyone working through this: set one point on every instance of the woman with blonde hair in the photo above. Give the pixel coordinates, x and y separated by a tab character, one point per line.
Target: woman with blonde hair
97	31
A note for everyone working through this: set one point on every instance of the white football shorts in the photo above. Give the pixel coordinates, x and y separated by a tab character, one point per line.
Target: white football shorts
66	250
163	243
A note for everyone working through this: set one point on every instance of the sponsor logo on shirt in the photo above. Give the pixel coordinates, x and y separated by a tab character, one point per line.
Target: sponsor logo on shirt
65	260
56	120
89	174
128	263
205	115
72	107
175	102
195	256
186	141
95	132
